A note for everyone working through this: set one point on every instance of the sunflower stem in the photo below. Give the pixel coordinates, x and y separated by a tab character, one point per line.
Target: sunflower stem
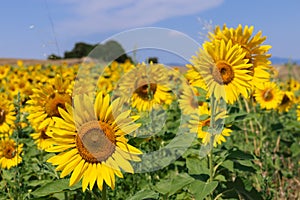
103	196
212	137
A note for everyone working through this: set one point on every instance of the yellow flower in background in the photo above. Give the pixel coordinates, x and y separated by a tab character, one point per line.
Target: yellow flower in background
200	126
269	96
10	153
45	101
293	85
145	87
4	69
40	137
91	143
7	113
287	101
224	69
188	100
252	45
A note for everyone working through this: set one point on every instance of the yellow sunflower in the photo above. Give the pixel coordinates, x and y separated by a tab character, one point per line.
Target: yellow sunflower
256	52
41	139
10	153
4	70
45	101
287	101
91	143
224	69
7	113
189	100
145	87
269	96
200	126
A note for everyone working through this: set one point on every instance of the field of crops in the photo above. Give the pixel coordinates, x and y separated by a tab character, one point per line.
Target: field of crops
226	128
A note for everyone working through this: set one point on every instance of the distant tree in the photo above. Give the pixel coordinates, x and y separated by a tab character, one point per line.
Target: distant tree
123	58
112	50
80	50
54	57
109	51
153	60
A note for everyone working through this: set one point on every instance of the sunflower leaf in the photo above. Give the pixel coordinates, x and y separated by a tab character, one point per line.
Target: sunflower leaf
144	194
54	187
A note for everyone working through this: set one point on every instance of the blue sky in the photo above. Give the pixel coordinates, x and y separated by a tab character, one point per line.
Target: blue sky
37	28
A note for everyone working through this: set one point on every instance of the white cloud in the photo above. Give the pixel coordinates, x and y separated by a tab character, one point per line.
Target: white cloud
95	16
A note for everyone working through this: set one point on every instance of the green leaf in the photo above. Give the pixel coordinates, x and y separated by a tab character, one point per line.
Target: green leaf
35	183
144	194
236	154
55	187
202	189
228	164
295	148
220	177
197	166
170	187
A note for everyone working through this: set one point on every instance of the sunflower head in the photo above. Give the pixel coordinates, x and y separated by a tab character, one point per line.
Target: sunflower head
90	139
252	45
10	153
287	101
269	96
145	87
224	68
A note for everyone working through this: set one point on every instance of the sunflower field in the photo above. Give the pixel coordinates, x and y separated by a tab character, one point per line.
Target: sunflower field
223	127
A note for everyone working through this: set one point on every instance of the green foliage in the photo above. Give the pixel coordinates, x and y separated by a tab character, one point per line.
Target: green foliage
107	52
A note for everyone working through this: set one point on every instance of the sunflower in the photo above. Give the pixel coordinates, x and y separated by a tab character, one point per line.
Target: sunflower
10	153
41	139
145	87
91	141
45	101
199	124
7	113
4	70
190	99
256	53
224	69
287	101
269	96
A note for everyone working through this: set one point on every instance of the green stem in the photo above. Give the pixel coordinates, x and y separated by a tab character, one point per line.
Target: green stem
104	192
212	137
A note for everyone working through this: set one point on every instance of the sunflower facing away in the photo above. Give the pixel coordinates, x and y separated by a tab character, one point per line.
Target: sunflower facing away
145	86
224	69
200	126
10	153
269	96
256	53
91	143
7	113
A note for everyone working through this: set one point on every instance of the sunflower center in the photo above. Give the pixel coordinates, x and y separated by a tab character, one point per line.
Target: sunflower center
223	73
95	141
268	95
9	151
55	101
285	100
2	116
146	91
